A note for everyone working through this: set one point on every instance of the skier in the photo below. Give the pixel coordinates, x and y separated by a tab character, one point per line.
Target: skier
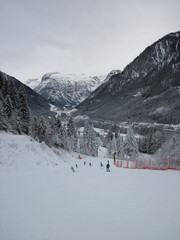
114	155
107	167
101	164
84	163
72	169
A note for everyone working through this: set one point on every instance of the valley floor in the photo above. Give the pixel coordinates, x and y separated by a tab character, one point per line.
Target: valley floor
42	199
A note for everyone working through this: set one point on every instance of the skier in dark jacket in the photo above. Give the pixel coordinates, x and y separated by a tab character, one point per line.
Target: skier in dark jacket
107	167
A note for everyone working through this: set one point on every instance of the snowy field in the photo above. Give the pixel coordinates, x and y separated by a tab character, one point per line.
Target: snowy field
42	199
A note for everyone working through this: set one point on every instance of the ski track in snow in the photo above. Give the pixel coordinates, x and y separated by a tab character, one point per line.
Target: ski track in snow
40	200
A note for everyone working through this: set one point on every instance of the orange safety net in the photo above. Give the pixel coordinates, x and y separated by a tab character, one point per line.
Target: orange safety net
125	164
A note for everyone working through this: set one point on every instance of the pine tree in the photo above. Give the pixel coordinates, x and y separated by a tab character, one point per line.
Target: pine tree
88	142
111	146
144	145
108	138
13	95
72	135
8	106
109	149
1	97
75	145
5	87
50	131
42	129
23	112
114	145
57	125
1	80
35	128
85	139
154	142
63	138
15	123
130	145
70	127
15	120
92	143
3	118
120	146
171	148
59	133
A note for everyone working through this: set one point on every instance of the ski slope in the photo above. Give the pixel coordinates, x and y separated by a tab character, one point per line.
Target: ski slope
42	199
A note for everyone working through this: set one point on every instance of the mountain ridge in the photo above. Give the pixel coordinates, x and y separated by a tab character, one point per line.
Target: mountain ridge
67	90
155	71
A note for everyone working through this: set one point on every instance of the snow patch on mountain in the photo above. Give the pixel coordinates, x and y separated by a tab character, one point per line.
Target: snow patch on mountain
63	112
32	83
72	78
160	110
138	94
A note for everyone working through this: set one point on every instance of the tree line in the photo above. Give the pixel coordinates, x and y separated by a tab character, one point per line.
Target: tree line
125	148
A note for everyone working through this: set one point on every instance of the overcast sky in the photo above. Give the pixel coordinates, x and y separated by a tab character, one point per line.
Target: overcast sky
80	36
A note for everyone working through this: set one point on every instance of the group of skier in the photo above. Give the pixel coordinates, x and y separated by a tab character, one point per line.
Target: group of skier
107	165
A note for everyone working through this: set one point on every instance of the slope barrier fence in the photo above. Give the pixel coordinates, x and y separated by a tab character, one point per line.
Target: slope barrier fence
165	164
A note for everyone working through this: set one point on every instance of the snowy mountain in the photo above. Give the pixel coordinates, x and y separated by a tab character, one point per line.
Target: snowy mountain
148	89
113	72
32	83
66	89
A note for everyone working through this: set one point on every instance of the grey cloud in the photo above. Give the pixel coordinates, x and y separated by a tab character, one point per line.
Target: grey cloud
80	36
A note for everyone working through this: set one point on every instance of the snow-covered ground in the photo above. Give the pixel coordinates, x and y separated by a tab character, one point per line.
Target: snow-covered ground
42	199
58	111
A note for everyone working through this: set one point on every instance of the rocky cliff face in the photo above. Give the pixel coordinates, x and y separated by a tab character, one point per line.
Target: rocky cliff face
146	90
163	54
67	89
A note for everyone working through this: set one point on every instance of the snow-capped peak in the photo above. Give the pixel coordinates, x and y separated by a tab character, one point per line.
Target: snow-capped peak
32	83
67	89
72	78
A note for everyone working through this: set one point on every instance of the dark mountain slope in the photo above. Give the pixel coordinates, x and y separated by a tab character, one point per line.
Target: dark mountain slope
146	90
37	104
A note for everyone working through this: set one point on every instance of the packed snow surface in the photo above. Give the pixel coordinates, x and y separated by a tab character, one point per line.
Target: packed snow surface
42	199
